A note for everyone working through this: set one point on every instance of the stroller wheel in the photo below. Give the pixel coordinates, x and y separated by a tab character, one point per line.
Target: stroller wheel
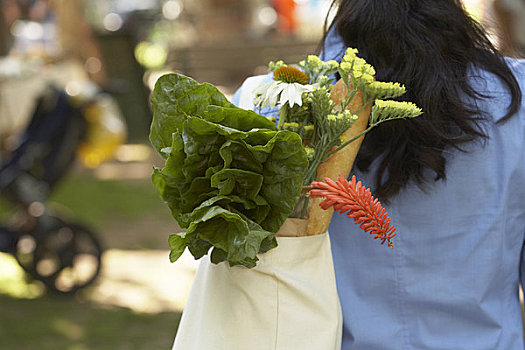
67	258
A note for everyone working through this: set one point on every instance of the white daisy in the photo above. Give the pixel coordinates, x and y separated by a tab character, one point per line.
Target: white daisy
279	93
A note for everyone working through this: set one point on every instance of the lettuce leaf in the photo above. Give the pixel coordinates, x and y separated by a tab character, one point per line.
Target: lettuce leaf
230	179
176	97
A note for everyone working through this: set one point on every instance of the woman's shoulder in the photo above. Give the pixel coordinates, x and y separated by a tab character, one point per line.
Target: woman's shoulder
517	66
244	95
486	81
497	96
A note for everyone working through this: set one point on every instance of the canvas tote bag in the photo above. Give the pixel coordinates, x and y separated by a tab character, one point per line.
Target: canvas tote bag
288	301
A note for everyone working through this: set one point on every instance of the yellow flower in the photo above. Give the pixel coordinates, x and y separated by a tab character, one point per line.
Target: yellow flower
310	152
291	126
346	66
382	90
308	128
384	110
290	75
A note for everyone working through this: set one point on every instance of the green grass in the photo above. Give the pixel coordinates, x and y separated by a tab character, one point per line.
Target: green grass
97	202
51	323
69	324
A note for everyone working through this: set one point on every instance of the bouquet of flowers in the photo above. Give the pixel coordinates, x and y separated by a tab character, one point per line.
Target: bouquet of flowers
249	190
233	177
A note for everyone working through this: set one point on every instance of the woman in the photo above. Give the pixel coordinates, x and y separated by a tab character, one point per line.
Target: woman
453	180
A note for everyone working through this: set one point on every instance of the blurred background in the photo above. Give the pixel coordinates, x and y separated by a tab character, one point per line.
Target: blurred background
83	236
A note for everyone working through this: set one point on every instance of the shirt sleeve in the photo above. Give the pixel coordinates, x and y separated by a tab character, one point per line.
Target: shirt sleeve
522	267
243	97
236	97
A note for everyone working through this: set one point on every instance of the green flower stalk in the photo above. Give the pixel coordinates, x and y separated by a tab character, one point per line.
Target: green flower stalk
384	90
360	72
388	110
306	107
310	153
291	127
318	71
273	66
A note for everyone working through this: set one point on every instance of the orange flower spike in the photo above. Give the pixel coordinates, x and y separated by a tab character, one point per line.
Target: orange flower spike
352	198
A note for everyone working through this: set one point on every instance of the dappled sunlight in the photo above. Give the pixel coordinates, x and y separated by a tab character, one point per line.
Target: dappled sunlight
123	171
51	323
144	281
133	153
67	328
77	347
475	7
13	280
132	162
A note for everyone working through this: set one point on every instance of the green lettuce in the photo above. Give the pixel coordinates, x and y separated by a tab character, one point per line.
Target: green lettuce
230	178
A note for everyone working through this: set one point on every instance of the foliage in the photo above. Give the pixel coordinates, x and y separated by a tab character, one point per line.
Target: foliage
315	117
230	178
52	323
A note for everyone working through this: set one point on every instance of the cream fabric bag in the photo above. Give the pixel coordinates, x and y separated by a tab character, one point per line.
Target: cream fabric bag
288	301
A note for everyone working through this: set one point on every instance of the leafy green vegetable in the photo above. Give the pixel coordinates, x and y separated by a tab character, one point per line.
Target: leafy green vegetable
230	178
176	97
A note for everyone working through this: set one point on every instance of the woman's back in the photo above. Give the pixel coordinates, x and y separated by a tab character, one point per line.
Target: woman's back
451	282
453	180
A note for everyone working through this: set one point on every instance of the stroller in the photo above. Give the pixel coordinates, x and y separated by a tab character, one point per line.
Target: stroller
64	255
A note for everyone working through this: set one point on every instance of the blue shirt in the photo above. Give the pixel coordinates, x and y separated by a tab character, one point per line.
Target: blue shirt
451	281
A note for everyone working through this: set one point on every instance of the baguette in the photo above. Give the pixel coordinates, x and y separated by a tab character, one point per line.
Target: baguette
341	161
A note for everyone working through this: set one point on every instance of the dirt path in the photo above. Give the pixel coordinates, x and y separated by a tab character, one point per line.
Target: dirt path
144	280
136	271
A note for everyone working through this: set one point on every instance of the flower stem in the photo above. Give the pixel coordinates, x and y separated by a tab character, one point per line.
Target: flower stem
305	207
349	99
283	115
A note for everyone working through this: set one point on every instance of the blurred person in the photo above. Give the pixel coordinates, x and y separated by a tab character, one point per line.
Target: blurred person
9	12
77	38
41	10
285	9
33	10
452	181
17	13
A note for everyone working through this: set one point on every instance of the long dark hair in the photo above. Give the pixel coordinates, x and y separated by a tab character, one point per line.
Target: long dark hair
429	46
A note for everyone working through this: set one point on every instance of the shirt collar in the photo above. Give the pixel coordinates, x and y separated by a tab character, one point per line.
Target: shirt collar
334	47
